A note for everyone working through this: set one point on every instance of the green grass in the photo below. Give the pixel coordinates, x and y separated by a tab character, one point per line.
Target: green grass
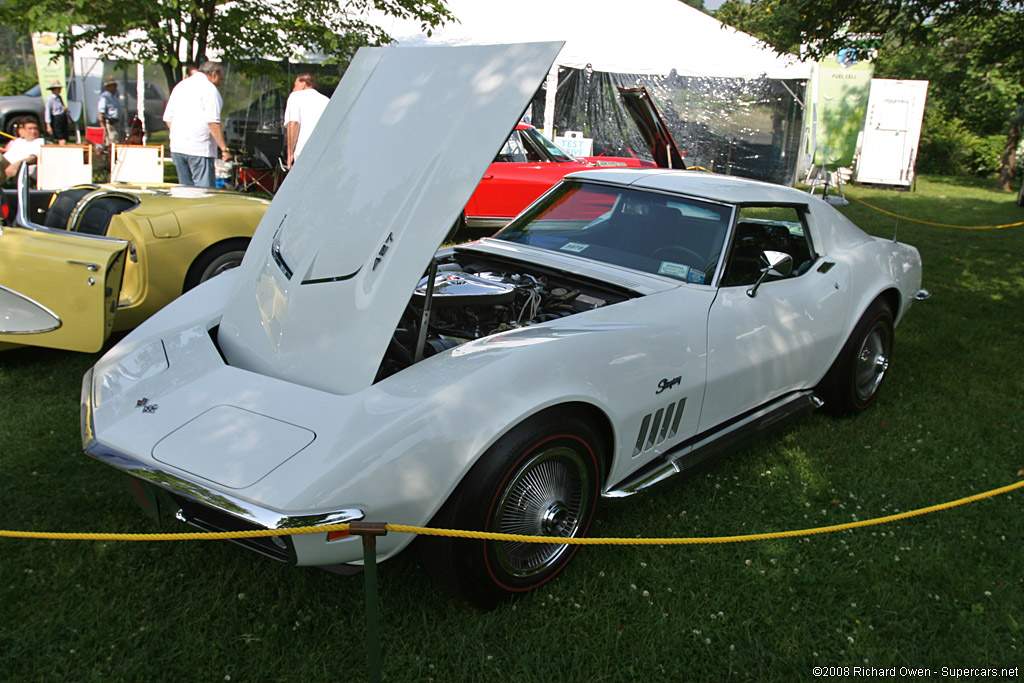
942	590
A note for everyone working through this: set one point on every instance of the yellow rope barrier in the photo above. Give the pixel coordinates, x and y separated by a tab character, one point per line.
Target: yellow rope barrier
941	225
489	536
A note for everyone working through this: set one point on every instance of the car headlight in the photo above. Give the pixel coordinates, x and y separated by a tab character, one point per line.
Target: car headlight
118	376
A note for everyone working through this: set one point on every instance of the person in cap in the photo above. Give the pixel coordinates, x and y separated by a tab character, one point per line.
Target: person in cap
55	114
109	112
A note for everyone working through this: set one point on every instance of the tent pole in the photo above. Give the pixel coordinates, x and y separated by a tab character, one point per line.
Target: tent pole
550	91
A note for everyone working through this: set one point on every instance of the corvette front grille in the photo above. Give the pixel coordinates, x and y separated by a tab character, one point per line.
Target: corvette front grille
658	426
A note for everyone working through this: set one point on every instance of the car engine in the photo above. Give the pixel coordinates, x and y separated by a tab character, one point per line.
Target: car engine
479	298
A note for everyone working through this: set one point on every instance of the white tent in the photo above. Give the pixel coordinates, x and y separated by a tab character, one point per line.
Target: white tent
638	36
654	37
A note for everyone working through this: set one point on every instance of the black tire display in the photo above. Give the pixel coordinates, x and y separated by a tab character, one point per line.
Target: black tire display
541	479
214	261
853	382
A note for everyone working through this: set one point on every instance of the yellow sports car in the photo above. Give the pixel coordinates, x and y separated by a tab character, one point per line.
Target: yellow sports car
78	264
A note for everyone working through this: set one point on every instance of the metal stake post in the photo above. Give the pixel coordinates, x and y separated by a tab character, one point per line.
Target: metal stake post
369	531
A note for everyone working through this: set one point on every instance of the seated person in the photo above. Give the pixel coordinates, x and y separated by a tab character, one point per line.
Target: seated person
24	148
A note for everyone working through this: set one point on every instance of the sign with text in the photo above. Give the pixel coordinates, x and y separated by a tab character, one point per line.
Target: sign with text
49	66
575	144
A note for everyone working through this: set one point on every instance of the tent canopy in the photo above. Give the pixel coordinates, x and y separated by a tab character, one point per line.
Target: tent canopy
639	37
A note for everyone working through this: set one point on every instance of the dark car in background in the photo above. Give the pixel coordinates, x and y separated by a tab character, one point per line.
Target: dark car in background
13	107
257	131
30	103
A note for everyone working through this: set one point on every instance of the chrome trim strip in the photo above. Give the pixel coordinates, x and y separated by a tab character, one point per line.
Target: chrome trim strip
488	223
703	446
85	202
203	495
86	420
38	305
22	220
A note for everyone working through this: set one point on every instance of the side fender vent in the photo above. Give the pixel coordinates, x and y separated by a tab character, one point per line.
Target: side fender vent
658	426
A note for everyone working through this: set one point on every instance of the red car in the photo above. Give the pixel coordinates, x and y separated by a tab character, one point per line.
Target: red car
529	164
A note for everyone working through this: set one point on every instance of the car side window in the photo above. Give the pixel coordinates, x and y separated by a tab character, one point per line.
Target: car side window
767	228
512	151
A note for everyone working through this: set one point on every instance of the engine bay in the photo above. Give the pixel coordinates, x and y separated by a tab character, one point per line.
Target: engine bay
474	296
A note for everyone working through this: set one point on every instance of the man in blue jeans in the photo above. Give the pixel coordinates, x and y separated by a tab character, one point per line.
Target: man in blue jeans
193	118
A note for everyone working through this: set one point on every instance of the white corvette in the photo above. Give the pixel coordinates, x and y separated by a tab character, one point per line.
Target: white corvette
627	326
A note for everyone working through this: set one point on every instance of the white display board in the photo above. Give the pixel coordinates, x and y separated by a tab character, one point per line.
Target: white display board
137	164
892	130
62	166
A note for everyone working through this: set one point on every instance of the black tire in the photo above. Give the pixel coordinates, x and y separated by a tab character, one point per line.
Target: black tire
540	479
214	261
853	382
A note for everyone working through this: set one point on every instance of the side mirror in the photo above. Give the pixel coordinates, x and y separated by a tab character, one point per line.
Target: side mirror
776	264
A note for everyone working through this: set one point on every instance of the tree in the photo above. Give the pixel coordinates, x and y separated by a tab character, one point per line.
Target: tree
960	45
173	33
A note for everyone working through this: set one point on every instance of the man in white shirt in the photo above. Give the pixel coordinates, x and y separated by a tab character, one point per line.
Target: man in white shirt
301	113
24	148
193	118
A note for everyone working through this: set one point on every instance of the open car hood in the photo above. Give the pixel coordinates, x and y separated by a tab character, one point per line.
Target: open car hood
655	133
396	155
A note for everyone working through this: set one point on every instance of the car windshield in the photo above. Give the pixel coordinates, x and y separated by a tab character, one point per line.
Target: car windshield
528	145
661	234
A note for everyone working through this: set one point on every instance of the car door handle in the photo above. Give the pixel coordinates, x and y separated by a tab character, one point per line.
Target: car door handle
91	266
487	177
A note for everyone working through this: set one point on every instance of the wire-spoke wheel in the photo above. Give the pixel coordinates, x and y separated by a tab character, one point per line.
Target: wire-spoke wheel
540	479
546	497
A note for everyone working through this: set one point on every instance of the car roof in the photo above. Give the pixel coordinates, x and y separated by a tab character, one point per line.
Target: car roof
722	188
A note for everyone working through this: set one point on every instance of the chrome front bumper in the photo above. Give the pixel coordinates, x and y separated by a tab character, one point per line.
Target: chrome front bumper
226	512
